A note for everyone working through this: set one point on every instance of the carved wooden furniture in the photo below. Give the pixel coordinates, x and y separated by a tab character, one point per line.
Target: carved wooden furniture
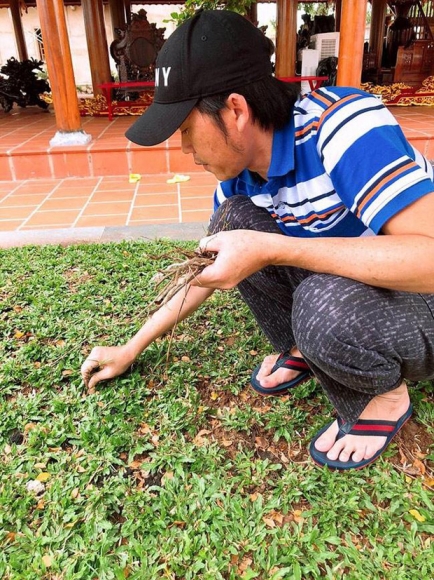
136	49
415	63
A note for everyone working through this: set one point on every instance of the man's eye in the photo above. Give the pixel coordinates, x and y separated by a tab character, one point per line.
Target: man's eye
184	131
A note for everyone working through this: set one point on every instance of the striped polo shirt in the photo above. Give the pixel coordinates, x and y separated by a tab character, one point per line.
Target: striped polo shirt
341	167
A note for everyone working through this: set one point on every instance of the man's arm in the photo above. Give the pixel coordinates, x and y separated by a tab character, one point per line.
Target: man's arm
115	360
402	259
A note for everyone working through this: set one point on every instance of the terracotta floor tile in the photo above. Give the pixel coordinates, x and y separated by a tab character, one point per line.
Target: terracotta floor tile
111	196
22	200
155	212
71	192
7	187
74	182
145	161
63	203
110	163
197	203
154	179
196	216
36	187
9	226
63	218
97	221
5	168
197	191
106	209
156	199
44	227
121	184
10	213
153	188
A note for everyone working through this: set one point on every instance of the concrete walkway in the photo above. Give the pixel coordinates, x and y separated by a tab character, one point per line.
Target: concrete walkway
67	236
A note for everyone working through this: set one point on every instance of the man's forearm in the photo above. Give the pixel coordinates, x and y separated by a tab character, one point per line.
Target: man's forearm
404	263
184	303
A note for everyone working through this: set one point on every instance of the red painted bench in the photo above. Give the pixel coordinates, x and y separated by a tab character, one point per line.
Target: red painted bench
108	87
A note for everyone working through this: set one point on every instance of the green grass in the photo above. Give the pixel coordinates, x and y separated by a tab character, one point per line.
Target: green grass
177	469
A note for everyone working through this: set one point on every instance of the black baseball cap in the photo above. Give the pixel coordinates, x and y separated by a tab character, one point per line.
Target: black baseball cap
212	52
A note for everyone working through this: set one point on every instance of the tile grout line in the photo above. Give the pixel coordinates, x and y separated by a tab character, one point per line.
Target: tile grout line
132	205
46	198
80	214
178	187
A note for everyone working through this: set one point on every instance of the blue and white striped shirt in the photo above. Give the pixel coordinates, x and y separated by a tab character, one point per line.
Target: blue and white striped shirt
342	167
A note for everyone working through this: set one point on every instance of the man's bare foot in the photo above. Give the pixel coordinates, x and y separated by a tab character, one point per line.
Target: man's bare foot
388	407
269	380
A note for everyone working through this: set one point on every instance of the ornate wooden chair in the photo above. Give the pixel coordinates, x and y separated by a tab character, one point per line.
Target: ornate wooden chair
136	48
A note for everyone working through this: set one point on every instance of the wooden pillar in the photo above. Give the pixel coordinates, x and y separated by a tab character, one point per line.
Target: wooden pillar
18	29
338	11
128	11
351	41
117	15
286	38
60	73
97	45
252	13
376	34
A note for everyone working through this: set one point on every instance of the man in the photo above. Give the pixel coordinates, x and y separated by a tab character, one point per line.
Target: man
323	222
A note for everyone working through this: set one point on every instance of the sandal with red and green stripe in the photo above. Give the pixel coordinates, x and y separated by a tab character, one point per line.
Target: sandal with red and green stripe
365	427
288	361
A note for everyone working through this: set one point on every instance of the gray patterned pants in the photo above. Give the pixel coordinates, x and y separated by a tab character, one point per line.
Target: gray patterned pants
359	340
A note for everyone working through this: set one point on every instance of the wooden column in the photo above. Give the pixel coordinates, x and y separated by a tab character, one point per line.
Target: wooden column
117	15
18	29
60	73
97	45
376	34
128	11
338	11
286	38
351	41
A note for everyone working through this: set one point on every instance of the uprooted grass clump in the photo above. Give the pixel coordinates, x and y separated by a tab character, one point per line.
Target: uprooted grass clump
178	469
179	274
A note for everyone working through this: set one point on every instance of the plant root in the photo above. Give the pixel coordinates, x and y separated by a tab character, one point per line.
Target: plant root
180	274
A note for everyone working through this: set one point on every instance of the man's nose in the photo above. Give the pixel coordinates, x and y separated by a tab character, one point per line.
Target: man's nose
186	145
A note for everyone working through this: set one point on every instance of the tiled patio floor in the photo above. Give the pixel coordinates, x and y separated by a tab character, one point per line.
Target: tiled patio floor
104	201
103	195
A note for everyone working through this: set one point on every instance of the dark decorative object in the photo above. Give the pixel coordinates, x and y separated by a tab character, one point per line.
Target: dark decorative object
136	49
19	84
328	67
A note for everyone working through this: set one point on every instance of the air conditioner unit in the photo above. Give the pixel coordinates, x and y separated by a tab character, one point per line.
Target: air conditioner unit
327	43
309	64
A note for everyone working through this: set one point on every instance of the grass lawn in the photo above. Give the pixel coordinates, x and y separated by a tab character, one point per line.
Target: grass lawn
177	470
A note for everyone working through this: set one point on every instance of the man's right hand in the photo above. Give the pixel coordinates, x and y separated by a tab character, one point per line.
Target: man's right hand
105	362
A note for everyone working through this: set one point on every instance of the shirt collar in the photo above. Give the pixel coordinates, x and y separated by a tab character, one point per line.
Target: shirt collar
282	152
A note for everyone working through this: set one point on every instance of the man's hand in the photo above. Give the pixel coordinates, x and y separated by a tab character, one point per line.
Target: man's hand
240	253
105	362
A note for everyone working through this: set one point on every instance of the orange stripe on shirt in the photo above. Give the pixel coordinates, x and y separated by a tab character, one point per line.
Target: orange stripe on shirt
389	177
313	217
307	129
336	105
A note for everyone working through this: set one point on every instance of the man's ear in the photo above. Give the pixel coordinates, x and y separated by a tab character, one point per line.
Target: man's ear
239	110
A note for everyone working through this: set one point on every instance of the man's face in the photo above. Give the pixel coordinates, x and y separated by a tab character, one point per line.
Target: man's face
224	156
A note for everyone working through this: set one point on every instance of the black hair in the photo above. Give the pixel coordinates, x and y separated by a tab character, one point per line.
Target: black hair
270	100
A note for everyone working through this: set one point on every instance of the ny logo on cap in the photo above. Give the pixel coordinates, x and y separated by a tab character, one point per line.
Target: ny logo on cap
165	71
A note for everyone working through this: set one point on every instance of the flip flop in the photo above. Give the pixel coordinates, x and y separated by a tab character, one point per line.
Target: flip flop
361	427
288	361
